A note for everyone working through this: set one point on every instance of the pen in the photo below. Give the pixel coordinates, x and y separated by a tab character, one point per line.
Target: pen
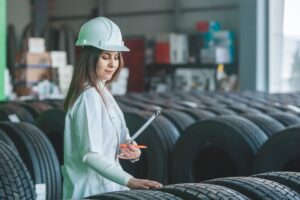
134	145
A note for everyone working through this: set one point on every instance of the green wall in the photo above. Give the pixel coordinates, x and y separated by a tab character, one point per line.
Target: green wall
2	46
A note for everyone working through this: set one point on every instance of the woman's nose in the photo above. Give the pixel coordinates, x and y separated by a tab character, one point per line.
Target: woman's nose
113	63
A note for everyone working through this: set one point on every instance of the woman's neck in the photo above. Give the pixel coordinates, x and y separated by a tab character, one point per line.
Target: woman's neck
101	83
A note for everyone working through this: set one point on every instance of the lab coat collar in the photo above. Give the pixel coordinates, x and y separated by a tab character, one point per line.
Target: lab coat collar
101	84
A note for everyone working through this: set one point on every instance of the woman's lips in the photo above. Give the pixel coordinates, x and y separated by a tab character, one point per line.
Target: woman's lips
109	71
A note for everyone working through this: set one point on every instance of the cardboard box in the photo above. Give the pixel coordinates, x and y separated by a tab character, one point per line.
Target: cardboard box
36	59
171	48
182	49
32	74
65	76
23	89
205	26
219	38
216	55
162	53
187	79
36	45
58	59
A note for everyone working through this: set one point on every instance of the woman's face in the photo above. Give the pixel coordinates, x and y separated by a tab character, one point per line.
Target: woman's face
108	63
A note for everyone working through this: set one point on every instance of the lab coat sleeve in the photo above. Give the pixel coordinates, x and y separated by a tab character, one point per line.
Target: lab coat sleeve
126	132
88	119
97	162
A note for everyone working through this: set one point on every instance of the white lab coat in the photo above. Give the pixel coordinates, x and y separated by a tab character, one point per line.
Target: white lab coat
90	126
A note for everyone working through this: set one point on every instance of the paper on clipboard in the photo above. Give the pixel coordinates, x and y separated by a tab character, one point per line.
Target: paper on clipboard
144	126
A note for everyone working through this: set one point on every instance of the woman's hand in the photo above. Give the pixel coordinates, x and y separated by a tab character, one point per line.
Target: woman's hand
135	183
129	152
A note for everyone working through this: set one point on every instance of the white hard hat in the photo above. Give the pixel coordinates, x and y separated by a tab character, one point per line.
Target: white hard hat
101	33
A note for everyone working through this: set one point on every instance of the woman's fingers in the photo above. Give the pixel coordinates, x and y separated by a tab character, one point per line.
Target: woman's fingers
125	151
132	148
143	184
120	156
123	155
130	153
151	184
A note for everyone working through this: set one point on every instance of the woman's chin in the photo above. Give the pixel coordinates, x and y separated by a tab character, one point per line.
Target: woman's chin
106	78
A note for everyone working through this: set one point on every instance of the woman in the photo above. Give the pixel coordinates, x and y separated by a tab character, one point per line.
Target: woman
95	125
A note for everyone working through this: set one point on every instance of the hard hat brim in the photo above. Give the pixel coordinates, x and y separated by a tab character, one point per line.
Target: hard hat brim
114	48
106	48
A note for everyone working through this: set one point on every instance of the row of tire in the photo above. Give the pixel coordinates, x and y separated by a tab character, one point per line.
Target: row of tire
224	135
29	166
216	138
271	186
169	138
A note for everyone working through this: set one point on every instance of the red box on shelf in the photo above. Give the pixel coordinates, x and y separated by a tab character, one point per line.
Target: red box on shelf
202	26
162	53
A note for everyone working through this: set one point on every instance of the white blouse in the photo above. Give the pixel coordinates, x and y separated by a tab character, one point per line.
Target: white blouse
94	128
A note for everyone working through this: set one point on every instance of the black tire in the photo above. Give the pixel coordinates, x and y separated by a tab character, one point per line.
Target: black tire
216	105
4	138
66	42
136	195
199	114
265	108
55	103
220	111
115	196
287	119
11	49
52	123
280	152
267	124
289	179
154	161
126	108
15	181
257	188
155	194
217	147
9	109
179	119
243	109
27	32
51	33
140	105
35	108
203	191
38	155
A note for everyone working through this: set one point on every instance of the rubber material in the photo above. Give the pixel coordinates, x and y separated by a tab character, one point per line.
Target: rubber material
15	181
258	189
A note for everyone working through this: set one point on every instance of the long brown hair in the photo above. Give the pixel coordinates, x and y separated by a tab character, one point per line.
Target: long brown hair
86	74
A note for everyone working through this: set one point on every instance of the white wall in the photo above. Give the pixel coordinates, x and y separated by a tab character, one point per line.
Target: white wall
18	14
275	44
227	12
71	8
142	24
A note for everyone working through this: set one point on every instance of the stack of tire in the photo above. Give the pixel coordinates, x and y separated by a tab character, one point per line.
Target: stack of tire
199	137
30	167
229	138
272	186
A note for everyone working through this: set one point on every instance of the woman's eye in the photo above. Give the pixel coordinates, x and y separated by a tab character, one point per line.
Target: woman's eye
105	58
116	58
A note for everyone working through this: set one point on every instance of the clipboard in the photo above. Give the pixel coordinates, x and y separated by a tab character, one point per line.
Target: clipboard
138	132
